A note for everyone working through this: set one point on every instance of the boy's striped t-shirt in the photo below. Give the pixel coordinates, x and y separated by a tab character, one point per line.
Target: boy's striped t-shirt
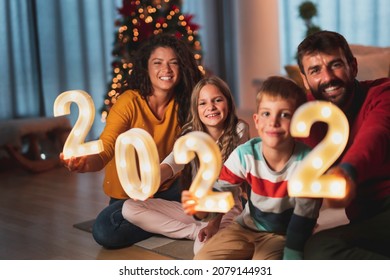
269	207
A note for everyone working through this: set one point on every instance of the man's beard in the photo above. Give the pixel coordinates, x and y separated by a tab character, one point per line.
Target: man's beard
320	93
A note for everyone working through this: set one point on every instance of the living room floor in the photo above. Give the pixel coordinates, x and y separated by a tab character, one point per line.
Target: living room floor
37	213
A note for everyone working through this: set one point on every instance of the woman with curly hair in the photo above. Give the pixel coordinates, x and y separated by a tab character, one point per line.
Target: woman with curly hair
157	100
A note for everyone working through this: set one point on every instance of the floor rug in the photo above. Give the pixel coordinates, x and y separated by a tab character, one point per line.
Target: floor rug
178	249
85	226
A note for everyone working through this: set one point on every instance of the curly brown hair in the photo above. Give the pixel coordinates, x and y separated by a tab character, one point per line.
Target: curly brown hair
189	71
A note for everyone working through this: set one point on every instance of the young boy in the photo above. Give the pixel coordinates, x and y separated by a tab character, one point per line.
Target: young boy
272	225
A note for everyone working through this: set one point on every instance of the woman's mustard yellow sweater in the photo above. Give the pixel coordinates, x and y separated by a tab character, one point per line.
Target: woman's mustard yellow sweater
132	111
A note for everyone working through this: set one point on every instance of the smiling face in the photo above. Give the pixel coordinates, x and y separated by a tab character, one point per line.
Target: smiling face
212	107
163	68
272	121
329	76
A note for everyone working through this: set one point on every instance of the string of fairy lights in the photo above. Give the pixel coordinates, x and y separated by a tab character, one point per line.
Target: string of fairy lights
139	20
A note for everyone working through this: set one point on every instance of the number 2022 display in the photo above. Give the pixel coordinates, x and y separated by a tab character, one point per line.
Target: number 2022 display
309	179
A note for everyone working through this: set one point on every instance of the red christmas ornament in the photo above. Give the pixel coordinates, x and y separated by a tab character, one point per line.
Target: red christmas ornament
128	7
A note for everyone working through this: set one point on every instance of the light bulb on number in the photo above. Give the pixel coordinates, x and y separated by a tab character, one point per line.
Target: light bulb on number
146	167
81	150
199	193
326	112
180	158
210	203
222	204
85	114
207	175
95	148
68	151
296	186
146	189
337	138
125	140
316	187
190	143
317	163
301	126
336	188
207	158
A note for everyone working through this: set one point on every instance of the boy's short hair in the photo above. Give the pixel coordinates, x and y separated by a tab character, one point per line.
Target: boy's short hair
276	86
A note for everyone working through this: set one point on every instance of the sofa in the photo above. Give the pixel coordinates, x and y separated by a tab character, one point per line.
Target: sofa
373	62
32	143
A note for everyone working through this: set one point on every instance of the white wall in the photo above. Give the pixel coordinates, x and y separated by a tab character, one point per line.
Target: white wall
256	29
258	46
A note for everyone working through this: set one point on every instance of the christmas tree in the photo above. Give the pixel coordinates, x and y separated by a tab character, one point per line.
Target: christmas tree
138	20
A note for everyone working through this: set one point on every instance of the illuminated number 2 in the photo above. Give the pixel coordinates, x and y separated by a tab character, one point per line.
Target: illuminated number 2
209	169
74	144
309	179
149	166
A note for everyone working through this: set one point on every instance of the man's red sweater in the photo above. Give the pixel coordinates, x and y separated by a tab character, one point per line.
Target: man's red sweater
368	147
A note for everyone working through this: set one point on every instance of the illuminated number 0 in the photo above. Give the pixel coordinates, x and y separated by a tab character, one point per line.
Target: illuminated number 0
209	169
149	166
309	179
74	144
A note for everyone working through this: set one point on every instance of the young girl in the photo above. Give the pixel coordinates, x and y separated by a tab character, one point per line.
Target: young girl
212	111
272	225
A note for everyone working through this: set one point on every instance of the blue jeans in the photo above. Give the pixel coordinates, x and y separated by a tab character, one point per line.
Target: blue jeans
112	231
368	239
